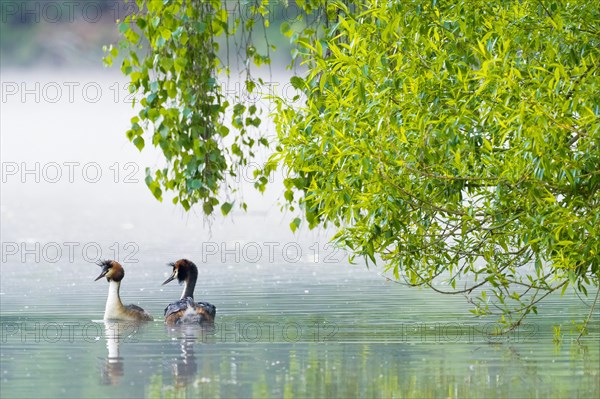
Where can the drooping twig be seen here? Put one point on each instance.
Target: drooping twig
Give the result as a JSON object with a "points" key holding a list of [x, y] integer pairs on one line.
{"points": [[589, 316]]}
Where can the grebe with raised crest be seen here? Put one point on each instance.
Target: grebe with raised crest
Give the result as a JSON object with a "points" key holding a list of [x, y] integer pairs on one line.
{"points": [[115, 310]]}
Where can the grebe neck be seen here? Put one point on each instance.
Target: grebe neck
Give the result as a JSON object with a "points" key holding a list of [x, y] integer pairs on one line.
{"points": [[188, 289], [113, 303], [190, 283]]}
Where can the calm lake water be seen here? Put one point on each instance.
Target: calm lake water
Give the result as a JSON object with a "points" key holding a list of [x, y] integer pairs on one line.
{"points": [[294, 319]]}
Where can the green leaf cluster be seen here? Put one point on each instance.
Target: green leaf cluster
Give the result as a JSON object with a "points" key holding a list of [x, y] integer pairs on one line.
{"points": [[456, 141], [171, 54]]}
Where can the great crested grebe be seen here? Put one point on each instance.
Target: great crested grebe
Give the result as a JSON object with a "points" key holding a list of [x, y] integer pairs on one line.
{"points": [[185, 310], [115, 310]]}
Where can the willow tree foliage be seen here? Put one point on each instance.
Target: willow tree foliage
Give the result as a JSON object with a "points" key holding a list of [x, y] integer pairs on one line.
{"points": [[456, 142]]}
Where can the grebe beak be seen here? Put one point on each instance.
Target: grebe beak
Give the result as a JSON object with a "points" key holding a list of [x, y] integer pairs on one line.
{"points": [[104, 271], [169, 279]]}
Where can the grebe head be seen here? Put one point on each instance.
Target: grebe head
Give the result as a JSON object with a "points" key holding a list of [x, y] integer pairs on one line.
{"points": [[112, 270], [183, 270]]}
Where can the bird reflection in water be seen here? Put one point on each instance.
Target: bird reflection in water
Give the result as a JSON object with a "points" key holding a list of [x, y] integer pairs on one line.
{"points": [[115, 333], [185, 368]]}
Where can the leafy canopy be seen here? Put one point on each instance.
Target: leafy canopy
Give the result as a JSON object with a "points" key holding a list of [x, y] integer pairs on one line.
{"points": [[454, 141]]}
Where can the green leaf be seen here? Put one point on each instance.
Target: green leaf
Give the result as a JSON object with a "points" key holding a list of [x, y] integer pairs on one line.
{"points": [[185, 204], [226, 208], [139, 142], [286, 29], [295, 224], [123, 27], [207, 207], [297, 82]]}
